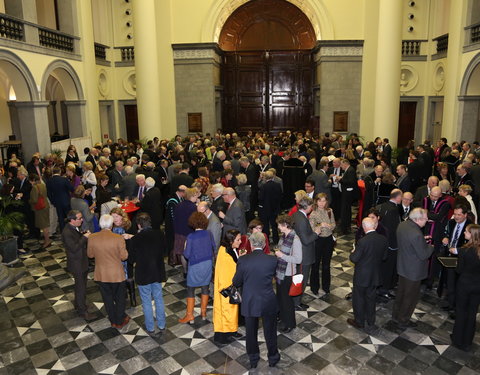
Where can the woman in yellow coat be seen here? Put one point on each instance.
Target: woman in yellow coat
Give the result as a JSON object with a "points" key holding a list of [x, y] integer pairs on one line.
{"points": [[225, 315]]}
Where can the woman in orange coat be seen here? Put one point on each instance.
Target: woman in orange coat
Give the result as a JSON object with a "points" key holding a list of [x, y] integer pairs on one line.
{"points": [[225, 315]]}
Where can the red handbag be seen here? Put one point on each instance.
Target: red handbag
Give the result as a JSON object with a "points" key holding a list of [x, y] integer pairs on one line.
{"points": [[40, 205], [297, 283]]}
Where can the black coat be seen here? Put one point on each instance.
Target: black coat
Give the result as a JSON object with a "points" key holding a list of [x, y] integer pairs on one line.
{"points": [[146, 250], [269, 197], [58, 191], [75, 244], [152, 205], [255, 272], [390, 218], [180, 179], [369, 253], [415, 171]]}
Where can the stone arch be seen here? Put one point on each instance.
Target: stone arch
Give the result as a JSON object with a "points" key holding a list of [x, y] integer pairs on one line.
{"points": [[471, 75], [222, 9], [19, 75], [65, 74]]}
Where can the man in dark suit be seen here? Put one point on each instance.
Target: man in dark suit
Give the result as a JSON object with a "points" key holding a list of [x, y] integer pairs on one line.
{"points": [[454, 236], [368, 255], [403, 181], [93, 157], [269, 196], [322, 182], [307, 237], [252, 173], [349, 190], [424, 191], [427, 161], [116, 178], [390, 219], [415, 171], [412, 266], [254, 274], [129, 183], [334, 174], [463, 178], [23, 187], [58, 191], [75, 244], [182, 178], [234, 218], [218, 204], [406, 206], [152, 203], [387, 151]]}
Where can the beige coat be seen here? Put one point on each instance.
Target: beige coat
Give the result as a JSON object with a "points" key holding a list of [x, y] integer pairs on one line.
{"points": [[109, 250]]}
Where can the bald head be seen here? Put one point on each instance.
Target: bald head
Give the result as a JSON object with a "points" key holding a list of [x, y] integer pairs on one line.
{"points": [[432, 181], [435, 193]]}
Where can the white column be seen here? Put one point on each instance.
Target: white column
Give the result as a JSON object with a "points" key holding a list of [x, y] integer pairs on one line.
{"points": [[387, 86]]}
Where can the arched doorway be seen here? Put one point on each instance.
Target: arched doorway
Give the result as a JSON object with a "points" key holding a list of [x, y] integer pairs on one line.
{"points": [[268, 67], [66, 110], [469, 102]]}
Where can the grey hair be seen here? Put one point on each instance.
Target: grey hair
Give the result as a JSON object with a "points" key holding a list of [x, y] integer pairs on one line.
{"points": [[417, 213], [305, 202], [218, 188], [150, 182], [106, 221], [257, 240]]}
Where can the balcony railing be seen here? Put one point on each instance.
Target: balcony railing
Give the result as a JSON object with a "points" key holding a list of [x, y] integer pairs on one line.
{"points": [[100, 51], [442, 43], [55, 39], [11, 28], [128, 54], [411, 47], [473, 33]]}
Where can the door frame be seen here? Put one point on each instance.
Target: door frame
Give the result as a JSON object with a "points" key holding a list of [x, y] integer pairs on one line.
{"points": [[418, 116], [122, 122]]}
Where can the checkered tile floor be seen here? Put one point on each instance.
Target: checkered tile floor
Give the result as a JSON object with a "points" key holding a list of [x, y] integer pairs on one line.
{"points": [[41, 334]]}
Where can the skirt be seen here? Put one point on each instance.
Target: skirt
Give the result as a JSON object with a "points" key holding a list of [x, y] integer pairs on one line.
{"points": [[199, 274], [179, 244]]}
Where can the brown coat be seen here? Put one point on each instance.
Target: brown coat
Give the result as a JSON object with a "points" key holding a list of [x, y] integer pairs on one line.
{"points": [[109, 250]]}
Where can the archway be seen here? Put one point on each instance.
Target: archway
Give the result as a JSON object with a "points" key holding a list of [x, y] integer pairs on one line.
{"points": [[16, 85], [61, 87], [268, 67], [469, 102]]}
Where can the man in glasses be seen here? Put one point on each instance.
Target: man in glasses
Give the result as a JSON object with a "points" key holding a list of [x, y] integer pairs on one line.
{"points": [[75, 243]]}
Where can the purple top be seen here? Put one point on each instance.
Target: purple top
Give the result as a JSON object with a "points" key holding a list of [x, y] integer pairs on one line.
{"points": [[182, 213]]}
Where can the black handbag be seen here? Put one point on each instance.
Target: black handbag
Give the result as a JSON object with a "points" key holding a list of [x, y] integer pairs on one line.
{"points": [[233, 294]]}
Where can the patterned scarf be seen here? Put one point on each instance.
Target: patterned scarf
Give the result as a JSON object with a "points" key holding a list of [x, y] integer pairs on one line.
{"points": [[286, 245]]}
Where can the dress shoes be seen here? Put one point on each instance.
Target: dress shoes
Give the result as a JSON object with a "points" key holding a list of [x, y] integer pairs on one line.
{"points": [[304, 306], [348, 297], [287, 329], [124, 323], [273, 364], [253, 365], [354, 323], [236, 335], [299, 308], [88, 316]]}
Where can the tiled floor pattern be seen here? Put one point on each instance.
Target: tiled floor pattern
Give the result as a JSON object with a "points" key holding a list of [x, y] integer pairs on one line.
{"points": [[41, 334]]}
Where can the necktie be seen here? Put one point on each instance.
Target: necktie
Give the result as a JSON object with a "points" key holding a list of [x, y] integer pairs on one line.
{"points": [[455, 237], [434, 203], [140, 193]]}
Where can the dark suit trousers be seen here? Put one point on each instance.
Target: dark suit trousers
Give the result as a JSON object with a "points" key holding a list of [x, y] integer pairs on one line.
{"points": [[113, 295], [269, 219], [306, 274], [363, 303], [346, 212], [468, 300], [62, 215], [80, 291], [270, 333], [452, 277], [408, 294], [389, 271], [285, 303], [323, 256], [335, 204]]}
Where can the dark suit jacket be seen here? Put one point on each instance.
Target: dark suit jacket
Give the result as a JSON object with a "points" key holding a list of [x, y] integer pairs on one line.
{"points": [[269, 197], [146, 250], [58, 191], [255, 272], [439, 216], [468, 266], [322, 183], [415, 171], [390, 218], [92, 160], [369, 253], [450, 232], [116, 178], [413, 251], [465, 180], [387, 153], [307, 236], [180, 179], [420, 194], [349, 181], [75, 244], [404, 183], [25, 189], [219, 205], [235, 217], [152, 205]]}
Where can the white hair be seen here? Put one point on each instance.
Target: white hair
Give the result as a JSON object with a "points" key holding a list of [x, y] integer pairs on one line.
{"points": [[150, 182], [218, 188], [140, 177], [106, 221], [128, 169], [257, 240]]}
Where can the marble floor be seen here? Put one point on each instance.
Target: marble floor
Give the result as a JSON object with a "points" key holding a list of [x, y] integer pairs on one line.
{"points": [[41, 334]]}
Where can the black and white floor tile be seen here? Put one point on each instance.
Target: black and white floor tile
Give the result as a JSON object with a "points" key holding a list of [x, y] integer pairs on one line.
{"points": [[41, 334]]}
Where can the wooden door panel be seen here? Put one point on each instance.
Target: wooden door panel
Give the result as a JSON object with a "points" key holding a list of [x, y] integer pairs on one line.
{"points": [[406, 123]]}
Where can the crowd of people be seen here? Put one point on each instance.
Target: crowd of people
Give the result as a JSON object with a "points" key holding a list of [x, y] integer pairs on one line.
{"points": [[243, 211]]}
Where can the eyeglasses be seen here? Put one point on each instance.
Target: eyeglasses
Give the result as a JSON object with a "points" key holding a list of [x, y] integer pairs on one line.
{"points": [[79, 218]]}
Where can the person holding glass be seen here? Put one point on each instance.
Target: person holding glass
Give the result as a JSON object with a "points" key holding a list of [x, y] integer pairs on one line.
{"points": [[322, 217]]}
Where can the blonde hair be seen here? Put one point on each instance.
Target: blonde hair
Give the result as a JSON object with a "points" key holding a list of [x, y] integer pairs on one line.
{"points": [[126, 223]]}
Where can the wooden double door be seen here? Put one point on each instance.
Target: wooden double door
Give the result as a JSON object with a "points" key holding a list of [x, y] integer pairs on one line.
{"points": [[267, 91]]}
